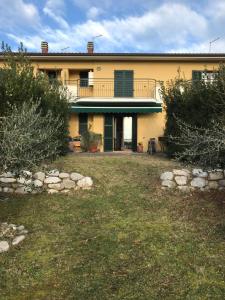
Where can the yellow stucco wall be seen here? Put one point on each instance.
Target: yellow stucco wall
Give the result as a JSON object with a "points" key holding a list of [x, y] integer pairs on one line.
{"points": [[149, 125], [73, 125]]}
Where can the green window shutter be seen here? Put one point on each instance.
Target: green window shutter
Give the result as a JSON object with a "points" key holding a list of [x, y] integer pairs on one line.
{"points": [[108, 133], [123, 83], [196, 75], [83, 123], [134, 133]]}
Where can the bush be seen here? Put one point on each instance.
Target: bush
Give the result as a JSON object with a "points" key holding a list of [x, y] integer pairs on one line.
{"points": [[28, 137], [90, 140], [18, 84], [196, 103]]}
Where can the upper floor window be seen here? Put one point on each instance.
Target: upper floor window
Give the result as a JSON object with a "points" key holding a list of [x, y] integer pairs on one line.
{"points": [[84, 78], [207, 76]]}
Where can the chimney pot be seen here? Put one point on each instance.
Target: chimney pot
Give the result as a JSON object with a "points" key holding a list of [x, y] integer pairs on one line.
{"points": [[44, 47], [90, 47]]}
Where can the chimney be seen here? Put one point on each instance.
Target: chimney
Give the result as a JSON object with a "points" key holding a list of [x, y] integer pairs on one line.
{"points": [[90, 47], [44, 47]]}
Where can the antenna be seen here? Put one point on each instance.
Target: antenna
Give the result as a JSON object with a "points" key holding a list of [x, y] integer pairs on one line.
{"points": [[96, 37], [210, 43], [64, 49]]}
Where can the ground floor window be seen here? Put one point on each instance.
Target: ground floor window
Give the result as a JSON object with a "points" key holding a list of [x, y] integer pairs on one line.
{"points": [[83, 123]]}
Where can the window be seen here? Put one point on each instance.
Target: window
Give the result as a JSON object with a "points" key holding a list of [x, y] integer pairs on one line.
{"points": [[52, 75], [207, 76], [84, 79], [83, 123]]}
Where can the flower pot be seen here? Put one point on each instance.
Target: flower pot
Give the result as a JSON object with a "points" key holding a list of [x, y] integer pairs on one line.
{"points": [[140, 148], [93, 149]]}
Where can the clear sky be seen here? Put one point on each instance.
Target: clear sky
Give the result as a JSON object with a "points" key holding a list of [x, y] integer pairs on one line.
{"points": [[126, 25]]}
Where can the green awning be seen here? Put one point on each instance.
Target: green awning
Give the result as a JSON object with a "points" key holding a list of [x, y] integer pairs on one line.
{"points": [[88, 109]]}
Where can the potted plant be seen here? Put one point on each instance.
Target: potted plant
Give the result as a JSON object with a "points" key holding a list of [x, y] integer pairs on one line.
{"points": [[140, 148], [90, 141]]}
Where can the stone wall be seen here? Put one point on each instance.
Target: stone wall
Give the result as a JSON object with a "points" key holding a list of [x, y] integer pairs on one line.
{"points": [[52, 182], [196, 179]]}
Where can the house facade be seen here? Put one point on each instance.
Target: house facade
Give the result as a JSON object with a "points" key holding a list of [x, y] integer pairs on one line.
{"points": [[118, 94]]}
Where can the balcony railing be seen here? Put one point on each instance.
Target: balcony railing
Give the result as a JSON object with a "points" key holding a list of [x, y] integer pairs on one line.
{"points": [[109, 88]]}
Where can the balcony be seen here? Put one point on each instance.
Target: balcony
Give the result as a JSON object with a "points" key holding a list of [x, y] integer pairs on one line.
{"points": [[108, 88]]}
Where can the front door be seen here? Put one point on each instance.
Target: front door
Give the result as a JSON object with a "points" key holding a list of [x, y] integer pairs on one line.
{"points": [[123, 83], [118, 133], [108, 133]]}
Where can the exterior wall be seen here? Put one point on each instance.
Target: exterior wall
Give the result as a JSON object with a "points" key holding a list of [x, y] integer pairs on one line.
{"points": [[150, 126], [98, 127], [73, 125]]}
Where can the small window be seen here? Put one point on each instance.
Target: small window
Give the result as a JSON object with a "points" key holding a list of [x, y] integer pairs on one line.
{"points": [[207, 76], [84, 79], [83, 123], [52, 75]]}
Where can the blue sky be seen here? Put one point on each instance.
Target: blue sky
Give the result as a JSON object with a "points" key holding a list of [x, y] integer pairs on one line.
{"points": [[125, 25]]}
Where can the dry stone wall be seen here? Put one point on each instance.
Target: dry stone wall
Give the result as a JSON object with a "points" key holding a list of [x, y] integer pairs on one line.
{"points": [[196, 179], [52, 182]]}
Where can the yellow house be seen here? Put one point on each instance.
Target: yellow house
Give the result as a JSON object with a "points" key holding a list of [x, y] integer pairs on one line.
{"points": [[118, 94]]}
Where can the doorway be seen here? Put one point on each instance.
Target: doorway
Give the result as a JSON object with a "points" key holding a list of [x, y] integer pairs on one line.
{"points": [[120, 132]]}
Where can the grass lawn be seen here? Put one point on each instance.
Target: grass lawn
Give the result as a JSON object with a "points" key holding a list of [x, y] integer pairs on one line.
{"points": [[124, 239]]}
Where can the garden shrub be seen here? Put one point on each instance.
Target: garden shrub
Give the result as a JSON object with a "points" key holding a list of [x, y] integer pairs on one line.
{"points": [[198, 104], [19, 84]]}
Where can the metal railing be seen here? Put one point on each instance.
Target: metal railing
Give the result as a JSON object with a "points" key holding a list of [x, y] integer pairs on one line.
{"points": [[109, 87]]}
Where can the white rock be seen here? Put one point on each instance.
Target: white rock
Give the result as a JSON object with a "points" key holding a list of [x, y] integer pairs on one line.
{"points": [[23, 190], [25, 173], [52, 191], [213, 185], [199, 182], [7, 179], [64, 175], [24, 231], [37, 183], [184, 188], [24, 180], [181, 180], [56, 186], [53, 173], [13, 226], [85, 183], [7, 174], [204, 189], [168, 183], [199, 173], [52, 180], [222, 182], [18, 239], [166, 176], [21, 227], [65, 191], [216, 175], [68, 184], [76, 176], [40, 176], [182, 172], [4, 246], [7, 189]]}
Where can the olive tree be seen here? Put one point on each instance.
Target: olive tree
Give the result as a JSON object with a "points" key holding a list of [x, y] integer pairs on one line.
{"points": [[28, 137], [33, 113]]}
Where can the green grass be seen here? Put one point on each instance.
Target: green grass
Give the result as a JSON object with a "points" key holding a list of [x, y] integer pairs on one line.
{"points": [[124, 239]]}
